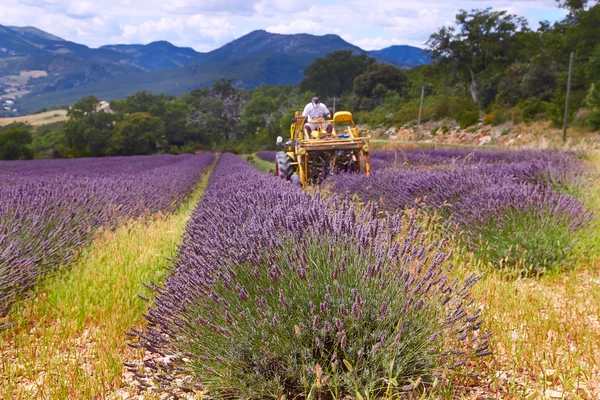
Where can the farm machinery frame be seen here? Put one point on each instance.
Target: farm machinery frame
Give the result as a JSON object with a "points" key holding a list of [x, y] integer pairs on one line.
{"points": [[310, 156]]}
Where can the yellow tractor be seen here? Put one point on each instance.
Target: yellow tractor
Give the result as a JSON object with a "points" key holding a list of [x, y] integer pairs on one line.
{"points": [[311, 155]]}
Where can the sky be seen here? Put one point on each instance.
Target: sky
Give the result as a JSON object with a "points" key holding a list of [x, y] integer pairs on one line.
{"points": [[208, 24]]}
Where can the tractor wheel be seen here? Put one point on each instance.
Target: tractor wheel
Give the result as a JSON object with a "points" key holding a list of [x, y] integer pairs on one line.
{"points": [[295, 179], [283, 166]]}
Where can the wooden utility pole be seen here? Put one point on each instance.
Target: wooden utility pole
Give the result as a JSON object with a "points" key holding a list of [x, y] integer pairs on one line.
{"points": [[567, 100], [334, 104], [421, 111]]}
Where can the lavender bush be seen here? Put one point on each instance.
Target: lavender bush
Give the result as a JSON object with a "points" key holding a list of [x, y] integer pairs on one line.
{"points": [[49, 208], [505, 209], [276, 292], [558, 169], [421, 157], [267, 155], [530, 227]]}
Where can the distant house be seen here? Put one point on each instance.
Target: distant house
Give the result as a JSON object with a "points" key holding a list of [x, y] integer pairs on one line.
{"points": [[103, 106]]}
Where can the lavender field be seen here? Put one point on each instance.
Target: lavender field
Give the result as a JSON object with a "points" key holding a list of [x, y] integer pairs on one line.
{"points": [[363, 287], [274, 289], [278, 292], [514, 208], [49, 209]]}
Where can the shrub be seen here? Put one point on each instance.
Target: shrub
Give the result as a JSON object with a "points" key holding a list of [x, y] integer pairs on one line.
{"points": [[188, 148], [278, 293], [434, 130], [15, 143], [514, 186], [581, 117], [444, 106], [529, 227], [532, 109], [409, 112], [592, 102], [593, 120], [501, 115], [445, 129], [555, 108], [467, 118], [488, 120], [393, 101]]}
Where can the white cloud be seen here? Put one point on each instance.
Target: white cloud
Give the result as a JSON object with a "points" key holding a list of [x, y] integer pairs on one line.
{"points": [[230, 7], [200, 31], [81, 9], [312, 27], [376, 43], [292, 8], [207, 24]]}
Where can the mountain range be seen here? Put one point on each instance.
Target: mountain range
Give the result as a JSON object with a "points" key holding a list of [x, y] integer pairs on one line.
{"points": [[40, 70]]}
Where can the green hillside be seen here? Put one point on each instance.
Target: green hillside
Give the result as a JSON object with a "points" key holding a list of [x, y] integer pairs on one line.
{"points": [[116, 71]]}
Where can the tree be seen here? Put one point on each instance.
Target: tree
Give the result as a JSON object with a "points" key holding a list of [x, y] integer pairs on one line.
{"points": [[390, 77], [217, 111], [592, 102], [535, 79], [171, 110], [175, 119], [259, 113], [143, 101], [98, 132], [14, 144], [334, 74], [573, 5], [88, 132], [138, 134], [50, 141], [577, 33], [83, 107], [480, 46]]}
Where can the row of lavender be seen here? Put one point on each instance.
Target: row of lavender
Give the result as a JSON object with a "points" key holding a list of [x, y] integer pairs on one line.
{"points": [[279, 293], [49, 208], [509, 206], [456, 157], [450, 157], [266, 155]]}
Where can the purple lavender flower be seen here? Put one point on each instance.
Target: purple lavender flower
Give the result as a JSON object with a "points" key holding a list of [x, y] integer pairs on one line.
{"points": [[49, 209]]}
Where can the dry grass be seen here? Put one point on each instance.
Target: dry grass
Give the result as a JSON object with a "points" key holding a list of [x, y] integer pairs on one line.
{"points": [[69, 339], [48, 117], [546, 336], [546, 342]]}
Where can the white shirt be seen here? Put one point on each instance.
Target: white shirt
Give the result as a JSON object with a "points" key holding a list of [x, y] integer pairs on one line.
{"points": [[313, 112]]}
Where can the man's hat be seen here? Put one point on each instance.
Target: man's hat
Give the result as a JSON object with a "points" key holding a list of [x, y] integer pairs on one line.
{"points": [[316, 100]]}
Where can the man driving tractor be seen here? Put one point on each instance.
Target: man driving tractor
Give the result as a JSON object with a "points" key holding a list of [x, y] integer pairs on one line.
{"points": [[313, 110], [315, 150]]}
